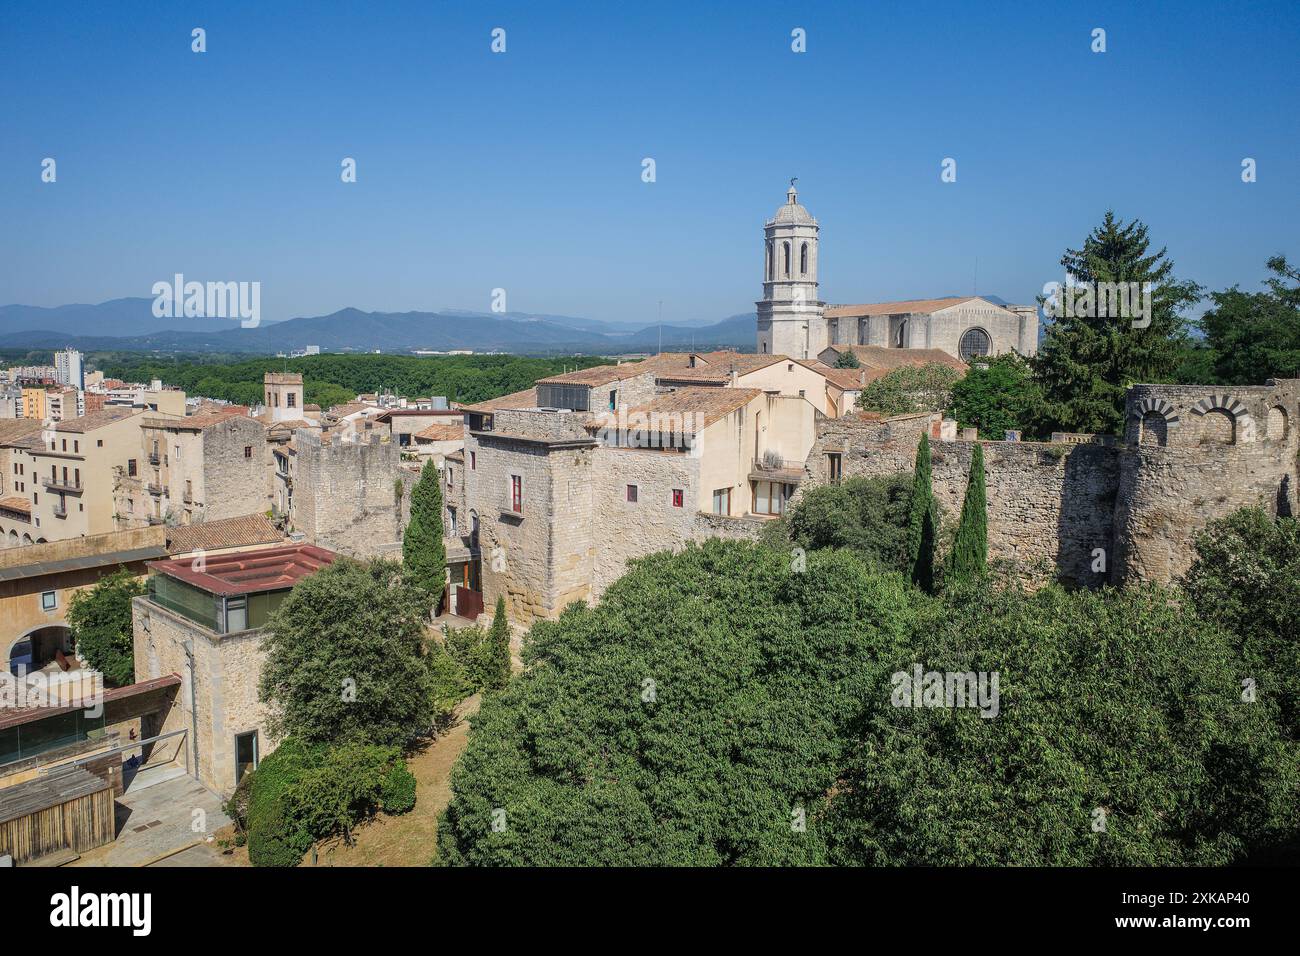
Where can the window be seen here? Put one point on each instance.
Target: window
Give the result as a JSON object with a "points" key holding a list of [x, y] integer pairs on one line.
{"points": [[99, 443], [130, 468], [65, 444], [76, 446], [973, 342], [677, 497], [516, 494], [834, 467], [771, 497], [49, 600], [613, 399], [236, 614], [450, 476], [722, 501], [631, 493], [786, 247], [248, 451], [803, 259], [901, 340], [451, 520], [291, 400], [769, 260], [473, 460]]}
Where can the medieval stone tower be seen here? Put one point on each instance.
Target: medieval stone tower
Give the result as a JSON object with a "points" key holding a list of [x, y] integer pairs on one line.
{"points": [[790, 316]]}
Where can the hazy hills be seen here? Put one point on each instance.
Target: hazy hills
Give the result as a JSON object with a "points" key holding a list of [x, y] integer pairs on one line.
{"points": [[129, 324]]}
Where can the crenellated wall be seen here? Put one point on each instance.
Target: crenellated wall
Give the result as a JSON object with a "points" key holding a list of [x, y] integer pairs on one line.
{"points": [[1195, 453]]}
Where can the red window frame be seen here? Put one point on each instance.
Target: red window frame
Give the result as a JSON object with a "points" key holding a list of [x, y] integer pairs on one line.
{"points": [[678, 497], [516, 493]]}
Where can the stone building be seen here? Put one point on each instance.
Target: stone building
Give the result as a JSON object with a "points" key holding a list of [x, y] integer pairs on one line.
{"points": [[792, 320], [351, 497], [560, 498], [203, 467], [202, 622]]}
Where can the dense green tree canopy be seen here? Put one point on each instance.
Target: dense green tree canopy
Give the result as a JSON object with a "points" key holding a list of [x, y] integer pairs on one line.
{"points": [[720, 706], [346, 658], [999, 395], [866, 515], [334, 379], [685, 720], [1246, 576], [1112, 701], [1255, 336], [910, 388], [100, 619]]}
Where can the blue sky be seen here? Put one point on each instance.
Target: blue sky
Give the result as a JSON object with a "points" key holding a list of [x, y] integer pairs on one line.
{"points": [[523, 170]]}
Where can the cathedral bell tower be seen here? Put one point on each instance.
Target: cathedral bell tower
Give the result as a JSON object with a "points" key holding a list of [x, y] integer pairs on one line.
{"points": [[790, 319]]}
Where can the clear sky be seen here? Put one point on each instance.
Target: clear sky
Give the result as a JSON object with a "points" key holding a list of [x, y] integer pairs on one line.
{"points": [[522, 170]]}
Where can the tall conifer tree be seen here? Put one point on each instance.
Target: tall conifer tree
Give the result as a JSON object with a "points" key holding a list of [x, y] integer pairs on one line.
{"points": [[969, 556], [424, 558], [922, 521]]}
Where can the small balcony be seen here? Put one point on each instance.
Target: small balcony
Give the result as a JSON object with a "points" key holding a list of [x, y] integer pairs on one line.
{"points": [[155, 489], [772, 467], [154, 460], [60, 511], [188, 498], [69, 485]]}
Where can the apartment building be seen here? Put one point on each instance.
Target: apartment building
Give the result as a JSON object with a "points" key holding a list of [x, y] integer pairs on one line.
{"points": [[67, 473], [34, 405], [202, 467]]}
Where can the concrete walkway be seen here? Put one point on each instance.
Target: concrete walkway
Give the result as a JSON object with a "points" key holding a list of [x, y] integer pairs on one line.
{"points": [[163, 810]]}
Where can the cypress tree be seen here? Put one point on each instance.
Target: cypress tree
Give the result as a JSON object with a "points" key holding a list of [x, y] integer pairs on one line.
{"points": [[969, 556], [499, 640], [922, 521], [424, 558]]}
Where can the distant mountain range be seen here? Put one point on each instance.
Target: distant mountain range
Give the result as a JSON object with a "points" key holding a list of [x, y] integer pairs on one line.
{"points": [[129, 324]]}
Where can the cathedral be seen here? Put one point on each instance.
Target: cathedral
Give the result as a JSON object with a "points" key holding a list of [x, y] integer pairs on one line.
{"points": [[793, 321]]}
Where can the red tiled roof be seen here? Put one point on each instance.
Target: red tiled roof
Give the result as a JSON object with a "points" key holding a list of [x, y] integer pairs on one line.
{"points": [[243, 531], [247, 572]]}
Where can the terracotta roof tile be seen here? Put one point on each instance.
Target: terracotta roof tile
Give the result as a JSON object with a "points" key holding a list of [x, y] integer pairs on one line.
{"points": [[709, 404], [454, 432], [244, 531], [90, 422]]}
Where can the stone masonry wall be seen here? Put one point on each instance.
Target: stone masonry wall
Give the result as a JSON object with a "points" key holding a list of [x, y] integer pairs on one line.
{"points": [[224, 701], [1193, 454], [1049, 506], [345, 498], [626, 530], [234, 485]]}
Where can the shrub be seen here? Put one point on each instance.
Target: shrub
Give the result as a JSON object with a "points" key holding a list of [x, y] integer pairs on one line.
{"points": [[302, 793], [398, 794], [868, 516]]}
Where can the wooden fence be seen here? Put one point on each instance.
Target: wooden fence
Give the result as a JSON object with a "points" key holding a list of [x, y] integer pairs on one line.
{"points": [[66, 809]]}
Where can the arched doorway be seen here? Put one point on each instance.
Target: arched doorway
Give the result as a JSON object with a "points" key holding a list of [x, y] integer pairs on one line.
{"points": [[39, 648]]}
